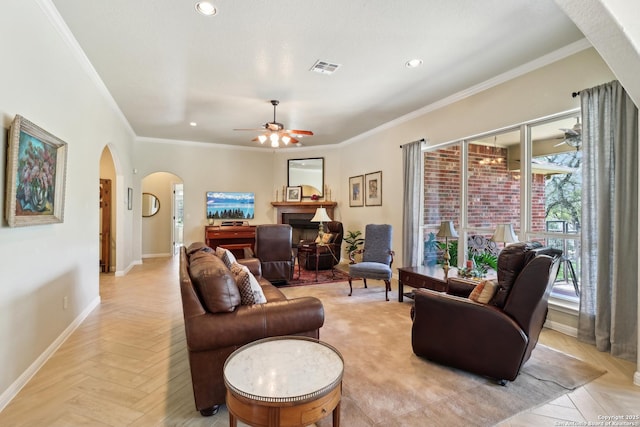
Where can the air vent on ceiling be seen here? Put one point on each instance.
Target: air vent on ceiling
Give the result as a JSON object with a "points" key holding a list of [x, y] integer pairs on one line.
{"points": [[324, 67]]}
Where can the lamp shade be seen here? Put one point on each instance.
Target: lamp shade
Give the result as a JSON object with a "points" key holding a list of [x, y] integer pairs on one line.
{"points": [[447, 230], [321, 216], [504, 233]]}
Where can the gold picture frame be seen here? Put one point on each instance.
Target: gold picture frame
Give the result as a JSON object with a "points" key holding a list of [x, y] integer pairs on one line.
{"points": [[36, 175]]}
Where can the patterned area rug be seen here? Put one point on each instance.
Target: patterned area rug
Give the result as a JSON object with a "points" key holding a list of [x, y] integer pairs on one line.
{"points": [[308, 277]]}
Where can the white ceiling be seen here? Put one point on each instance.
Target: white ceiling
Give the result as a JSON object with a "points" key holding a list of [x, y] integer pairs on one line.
{"points": [[166, 65]]}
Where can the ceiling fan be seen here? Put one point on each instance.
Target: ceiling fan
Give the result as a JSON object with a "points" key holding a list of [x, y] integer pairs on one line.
{"points": [[573, 136], [275, 132]]}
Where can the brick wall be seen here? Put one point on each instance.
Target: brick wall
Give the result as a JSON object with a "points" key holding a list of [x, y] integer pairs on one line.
{"points": [[493, 191]]}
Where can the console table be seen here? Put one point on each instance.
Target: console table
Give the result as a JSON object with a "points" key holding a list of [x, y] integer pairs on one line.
{"points": [[232, 237]]}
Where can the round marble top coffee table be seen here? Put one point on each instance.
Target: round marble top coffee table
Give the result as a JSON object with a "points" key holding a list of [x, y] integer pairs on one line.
{"points": [[284, 381]]}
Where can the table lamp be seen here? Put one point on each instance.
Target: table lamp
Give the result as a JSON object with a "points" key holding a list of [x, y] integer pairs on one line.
{"points": [[321, 216], [446, 230], [504, 234]]}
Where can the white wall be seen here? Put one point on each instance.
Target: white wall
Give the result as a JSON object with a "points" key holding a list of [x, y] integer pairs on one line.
{"points": [[210, 167], [42, 79]]}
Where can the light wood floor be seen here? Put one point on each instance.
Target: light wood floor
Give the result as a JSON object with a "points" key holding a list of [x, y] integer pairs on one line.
{"points": [[126, 365]]}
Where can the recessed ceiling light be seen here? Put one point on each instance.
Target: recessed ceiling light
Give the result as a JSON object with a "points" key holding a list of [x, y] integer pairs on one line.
{"points": [[206, 8], [194, 124], [413, 63]]}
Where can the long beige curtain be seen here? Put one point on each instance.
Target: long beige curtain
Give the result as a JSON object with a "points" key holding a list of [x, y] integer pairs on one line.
{"points": [[609, 279], [412, 239]]}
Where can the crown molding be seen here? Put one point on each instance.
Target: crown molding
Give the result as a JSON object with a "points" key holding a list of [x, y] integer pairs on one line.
{"points": [[63, 30]]}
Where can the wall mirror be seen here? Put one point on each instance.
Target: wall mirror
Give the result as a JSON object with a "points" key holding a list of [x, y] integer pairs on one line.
{"points": [[150, 205], [307, 173]]}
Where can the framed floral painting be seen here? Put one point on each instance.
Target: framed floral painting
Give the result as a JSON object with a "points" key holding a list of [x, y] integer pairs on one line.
{"points": [[36, 174]]}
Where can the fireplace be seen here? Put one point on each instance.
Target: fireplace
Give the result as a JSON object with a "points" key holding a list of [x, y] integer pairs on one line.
{"points": [[302, 227], [298, 215]]}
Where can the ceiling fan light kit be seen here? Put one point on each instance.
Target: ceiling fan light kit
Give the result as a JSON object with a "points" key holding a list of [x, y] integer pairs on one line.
{"points": [[276, 133]]}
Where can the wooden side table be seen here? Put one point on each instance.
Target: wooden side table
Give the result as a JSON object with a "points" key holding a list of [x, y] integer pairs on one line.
{"points": [[286, 381], [421, 276]]}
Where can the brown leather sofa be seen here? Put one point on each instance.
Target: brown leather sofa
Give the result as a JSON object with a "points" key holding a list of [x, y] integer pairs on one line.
{"points": [[273, 248], [216, 324], [494, 339]]}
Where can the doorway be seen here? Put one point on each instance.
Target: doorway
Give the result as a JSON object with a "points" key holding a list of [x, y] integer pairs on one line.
{"points": [[162, 227]]}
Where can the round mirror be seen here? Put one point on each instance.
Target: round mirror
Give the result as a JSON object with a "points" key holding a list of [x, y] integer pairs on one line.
{"points": [[150, 205]]}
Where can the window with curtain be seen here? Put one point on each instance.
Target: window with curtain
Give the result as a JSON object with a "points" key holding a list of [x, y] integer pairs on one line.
{"points": [[485, 173]]}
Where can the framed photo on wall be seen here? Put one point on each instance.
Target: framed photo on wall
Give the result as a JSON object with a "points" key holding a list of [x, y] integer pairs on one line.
{"points": [[373, 189], [356, 187], [294, 194], [130, 198], [36, 174]]}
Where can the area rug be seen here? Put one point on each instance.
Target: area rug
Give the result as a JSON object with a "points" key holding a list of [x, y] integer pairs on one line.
{"points": [[308, 277], [386, 384]]}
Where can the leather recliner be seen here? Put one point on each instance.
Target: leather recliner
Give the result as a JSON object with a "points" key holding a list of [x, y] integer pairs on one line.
{"points": [[494, 339], [330, 253], [273, 248]]}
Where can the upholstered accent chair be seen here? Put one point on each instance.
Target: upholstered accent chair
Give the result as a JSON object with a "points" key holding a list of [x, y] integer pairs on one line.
{"points": [[377, 257], [273, 248], [496, 338], [329, 254]]}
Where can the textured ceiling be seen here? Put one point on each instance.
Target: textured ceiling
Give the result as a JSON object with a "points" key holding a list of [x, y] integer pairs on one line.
{"points": [[166, 66]]}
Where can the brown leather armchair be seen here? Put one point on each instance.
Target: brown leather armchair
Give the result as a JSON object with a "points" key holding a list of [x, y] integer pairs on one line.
{"points": [[273, 248], [495, 339], [330, 253]]}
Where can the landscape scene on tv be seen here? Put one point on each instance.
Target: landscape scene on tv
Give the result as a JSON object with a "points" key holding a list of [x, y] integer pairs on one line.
{"points": [[230, 205]]}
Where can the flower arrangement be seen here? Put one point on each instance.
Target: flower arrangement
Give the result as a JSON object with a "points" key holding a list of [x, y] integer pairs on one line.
{"points": [[36, 172], [315, 197]]}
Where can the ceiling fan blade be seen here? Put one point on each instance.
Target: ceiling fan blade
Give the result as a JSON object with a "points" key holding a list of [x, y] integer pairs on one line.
{"points": [[570, 132], [562, 143], [299, 132]]}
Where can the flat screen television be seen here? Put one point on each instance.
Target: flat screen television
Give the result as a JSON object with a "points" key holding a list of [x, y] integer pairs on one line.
{"points": [[230, 205]]}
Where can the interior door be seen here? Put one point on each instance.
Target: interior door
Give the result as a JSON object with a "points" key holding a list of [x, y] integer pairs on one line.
{"points": [[105, 225], [178, 218]]}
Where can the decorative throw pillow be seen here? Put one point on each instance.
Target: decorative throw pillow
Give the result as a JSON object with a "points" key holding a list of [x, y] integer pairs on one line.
{"points": [[220, 251], [484, 291], [227, 257], [325, 239], [250, 289], [475, 293]]}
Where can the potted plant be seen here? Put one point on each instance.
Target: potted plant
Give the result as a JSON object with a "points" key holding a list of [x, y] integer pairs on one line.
{"points": [[353, 241]]}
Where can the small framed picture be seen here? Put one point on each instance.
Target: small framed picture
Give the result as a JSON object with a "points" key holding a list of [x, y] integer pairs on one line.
{"points": [[294, 194], [356, 184], [373, 189], [130, 198]]}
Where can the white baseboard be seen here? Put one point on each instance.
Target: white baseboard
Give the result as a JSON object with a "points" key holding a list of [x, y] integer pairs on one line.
{"points": [[128, 269], [7, 396], [157, 255], [562, 328]]}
